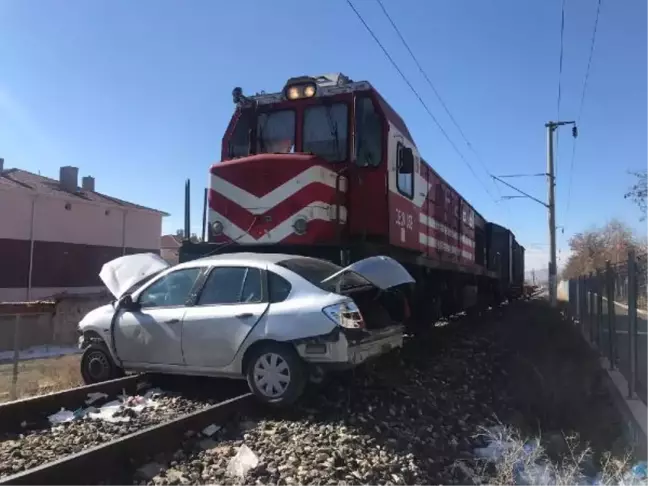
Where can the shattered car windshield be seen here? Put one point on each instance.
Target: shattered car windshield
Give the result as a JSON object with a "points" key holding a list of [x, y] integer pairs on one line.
{"points": [[276, 132], [317, 270]]}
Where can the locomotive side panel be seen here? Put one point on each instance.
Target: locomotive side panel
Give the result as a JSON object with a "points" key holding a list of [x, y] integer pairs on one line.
{"points": [[407, 191]]}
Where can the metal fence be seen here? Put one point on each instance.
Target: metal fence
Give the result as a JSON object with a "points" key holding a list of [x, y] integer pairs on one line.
{"points": [[609, 305]]}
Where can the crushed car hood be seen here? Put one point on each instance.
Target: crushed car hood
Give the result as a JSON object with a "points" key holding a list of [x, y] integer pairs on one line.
{"points": [[122, 273], [382, 271]]}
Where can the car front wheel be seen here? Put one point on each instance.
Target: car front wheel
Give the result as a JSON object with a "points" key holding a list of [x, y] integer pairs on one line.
{"points": [[276, 374], [97, 365]]}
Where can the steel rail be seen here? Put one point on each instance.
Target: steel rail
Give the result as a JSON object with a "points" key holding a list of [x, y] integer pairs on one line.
{"points": [[114, 460], [14, 413]]}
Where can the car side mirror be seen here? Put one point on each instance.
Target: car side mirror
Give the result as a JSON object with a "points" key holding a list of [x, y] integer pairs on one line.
{"points": [[407, 161], [127, 303]]}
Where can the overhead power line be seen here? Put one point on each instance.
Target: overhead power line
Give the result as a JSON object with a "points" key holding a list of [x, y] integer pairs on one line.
{"points": [[418, 96], [436, 92], [582, 102]]}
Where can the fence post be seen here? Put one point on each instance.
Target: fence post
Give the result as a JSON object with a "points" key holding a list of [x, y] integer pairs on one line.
{"points": [[590, 306], [632, 322], [16, 359], [609, 287], [582, 290], [599, 305]]}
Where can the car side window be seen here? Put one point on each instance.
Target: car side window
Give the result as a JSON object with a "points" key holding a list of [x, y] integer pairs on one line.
{"points": [[231, 285], [279, 288], [171, 290]]}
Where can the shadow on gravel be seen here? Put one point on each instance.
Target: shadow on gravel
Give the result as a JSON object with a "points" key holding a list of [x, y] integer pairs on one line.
{"points": [[414, 416], [522, 366]]}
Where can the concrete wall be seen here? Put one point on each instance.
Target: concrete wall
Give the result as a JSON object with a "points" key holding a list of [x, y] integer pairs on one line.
{"points": [[58, 328]]}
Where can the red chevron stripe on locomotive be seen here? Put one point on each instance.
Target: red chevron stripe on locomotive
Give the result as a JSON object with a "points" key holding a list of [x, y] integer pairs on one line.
{"points": [[260, 202]]}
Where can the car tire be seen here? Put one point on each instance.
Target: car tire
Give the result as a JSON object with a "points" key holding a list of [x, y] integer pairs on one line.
{"points": [[284, 371], [97, 365]]}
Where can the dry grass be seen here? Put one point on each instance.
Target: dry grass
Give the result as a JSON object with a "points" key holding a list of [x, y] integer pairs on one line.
{"points": [[563, 425], [527, 462], [40, 376]]}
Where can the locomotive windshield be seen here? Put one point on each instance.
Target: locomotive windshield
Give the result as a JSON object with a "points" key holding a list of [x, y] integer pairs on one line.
{"points": [[276, 132], [325, 131]]}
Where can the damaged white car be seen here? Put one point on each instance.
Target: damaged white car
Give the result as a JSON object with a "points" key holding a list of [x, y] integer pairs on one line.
{"points": [[275, 320]]}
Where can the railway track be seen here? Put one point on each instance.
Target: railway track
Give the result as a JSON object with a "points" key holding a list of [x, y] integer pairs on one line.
{"points": [[149, 415]]}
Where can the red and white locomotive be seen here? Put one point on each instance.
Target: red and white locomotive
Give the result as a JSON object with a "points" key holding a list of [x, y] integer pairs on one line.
{"points": [[327, 168]]}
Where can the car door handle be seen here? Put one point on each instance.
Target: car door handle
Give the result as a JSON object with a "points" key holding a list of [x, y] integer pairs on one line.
{"points": [[244, 315], [172, 321]]}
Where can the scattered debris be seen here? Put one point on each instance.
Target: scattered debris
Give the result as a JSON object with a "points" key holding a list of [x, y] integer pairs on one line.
{"points": [[94, 396], [211, 430], [70, 431], [150, 470], [61, 417], [242, 462]]}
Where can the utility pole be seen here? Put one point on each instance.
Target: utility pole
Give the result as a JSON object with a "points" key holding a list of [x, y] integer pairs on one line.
{"points": [[551, 205]]}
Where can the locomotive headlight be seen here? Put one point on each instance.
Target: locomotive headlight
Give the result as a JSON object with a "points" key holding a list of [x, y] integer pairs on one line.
{"points": [[309, 91], [217, 228], [293, 93], [300, 225], [300, 88]]}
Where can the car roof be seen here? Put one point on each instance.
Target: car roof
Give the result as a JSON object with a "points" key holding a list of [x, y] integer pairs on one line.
{"points": [[243, 257]]}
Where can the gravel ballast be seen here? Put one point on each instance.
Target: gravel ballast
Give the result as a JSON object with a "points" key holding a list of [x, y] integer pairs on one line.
{"points": [[37, 446], [411, 418]]}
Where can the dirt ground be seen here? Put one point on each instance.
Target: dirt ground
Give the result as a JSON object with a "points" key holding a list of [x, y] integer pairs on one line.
{"points": [[552, 379], [39, 376]]}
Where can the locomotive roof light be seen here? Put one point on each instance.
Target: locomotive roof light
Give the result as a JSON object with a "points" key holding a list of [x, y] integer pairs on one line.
{"points": [[302, 87]]}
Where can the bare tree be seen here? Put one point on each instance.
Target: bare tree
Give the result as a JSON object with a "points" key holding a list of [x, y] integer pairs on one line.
{"points": [[638, 192], [592, 248]]}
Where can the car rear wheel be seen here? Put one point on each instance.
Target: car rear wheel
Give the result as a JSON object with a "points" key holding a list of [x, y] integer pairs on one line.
{"points": [[276, 374], [97, 365]]}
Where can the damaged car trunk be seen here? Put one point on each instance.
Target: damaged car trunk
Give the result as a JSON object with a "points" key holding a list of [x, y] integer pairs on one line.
{"points": [[374, 284]]}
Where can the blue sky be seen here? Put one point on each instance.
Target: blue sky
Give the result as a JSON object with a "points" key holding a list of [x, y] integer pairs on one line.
{"points": [[138, 94]]}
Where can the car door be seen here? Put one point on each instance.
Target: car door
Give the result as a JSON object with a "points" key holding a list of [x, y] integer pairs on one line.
{"points": [[152, 334], [228, 306]]}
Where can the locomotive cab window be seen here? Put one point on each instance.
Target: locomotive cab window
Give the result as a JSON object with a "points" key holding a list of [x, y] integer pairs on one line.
{"points": [[239, 143], [405, 170], [368, 129], [276, 132], [325, 131]]}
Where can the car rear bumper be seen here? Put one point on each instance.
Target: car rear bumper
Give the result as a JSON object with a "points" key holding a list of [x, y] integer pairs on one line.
{"points": [[347, 352]]}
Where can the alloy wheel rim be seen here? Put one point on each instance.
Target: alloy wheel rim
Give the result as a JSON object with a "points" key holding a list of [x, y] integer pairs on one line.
{"points": [[271, 375], [98, 365]]}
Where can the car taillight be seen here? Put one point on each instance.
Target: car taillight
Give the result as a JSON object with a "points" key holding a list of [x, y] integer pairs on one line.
{"points": [[345, 314]]}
